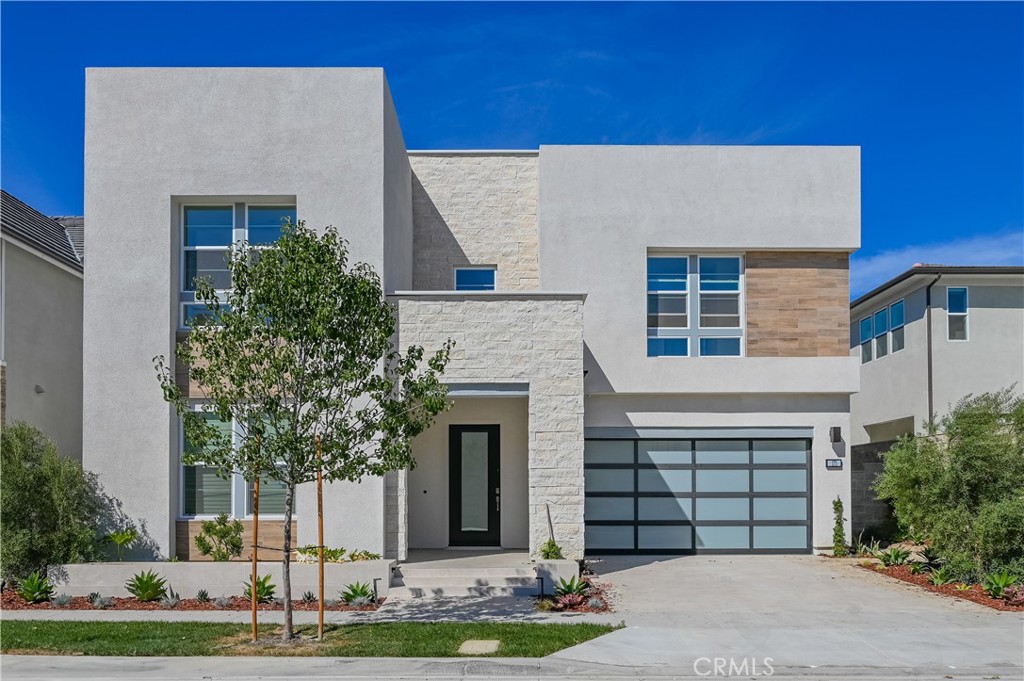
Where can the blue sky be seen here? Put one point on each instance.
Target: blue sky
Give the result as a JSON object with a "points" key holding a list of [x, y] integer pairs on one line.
{"points": [[932, 92]]}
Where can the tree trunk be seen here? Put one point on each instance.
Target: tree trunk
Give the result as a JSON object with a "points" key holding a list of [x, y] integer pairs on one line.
{"points": [[286, 575]]}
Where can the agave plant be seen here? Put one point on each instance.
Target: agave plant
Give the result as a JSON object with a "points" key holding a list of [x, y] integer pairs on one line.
{"points": [[895, 555], [147, 586], [942, 576], [575, 587], [996, 583], [359, 591], [571, 600], [264, 589], [35, 588]]}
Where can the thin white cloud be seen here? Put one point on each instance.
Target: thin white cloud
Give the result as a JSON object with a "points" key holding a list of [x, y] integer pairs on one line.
{"points": [[1002, 248]]}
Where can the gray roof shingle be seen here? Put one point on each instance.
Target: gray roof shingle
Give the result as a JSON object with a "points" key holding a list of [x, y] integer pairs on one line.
{"points": [[25, 224], [75, 226]]}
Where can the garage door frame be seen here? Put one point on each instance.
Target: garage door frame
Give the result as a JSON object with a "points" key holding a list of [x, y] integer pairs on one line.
{"points": [[693, 523]]}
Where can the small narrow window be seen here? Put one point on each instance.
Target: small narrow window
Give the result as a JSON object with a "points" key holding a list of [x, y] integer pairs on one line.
{"points": [[881, 333], [956, 313], [896, 321], [865, 340], [719, 347], [474, 278]]}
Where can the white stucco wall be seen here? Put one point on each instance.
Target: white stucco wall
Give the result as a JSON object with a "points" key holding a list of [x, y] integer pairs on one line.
{"points": [[428, 482], [819, 412], [157, 136], [43, 346], [602, 208]]}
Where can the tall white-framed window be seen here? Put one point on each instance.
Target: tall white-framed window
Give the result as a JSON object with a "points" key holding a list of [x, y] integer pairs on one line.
{"points": [[694, 305], [209, 233], [956, 313], [203, 493], [865, 337]]}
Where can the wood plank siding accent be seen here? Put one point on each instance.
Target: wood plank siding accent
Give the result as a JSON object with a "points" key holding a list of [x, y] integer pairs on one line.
{"points": [[271, 535], [798, 304]]}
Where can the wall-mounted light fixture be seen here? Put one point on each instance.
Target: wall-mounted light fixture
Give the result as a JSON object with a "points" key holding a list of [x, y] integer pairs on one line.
{"points": [[39, 389], [835, 434], [834, 464]]}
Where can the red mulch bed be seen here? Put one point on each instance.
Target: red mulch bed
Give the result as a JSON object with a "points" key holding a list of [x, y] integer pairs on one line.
{"points": [[9, 600], [975, 593], [597, 590]]}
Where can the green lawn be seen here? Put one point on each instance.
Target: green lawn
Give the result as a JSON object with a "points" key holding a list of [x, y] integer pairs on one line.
{"points": [[387, 639]]}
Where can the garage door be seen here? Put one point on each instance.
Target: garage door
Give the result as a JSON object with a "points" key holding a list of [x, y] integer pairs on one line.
{"points": [[697, 496]]}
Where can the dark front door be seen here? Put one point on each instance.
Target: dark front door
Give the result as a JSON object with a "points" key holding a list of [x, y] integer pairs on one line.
{"points": [[474, 487]]}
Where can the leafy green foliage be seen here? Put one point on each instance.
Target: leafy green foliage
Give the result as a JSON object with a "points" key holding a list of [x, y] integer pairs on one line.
{"points": [[549, 550], [839, 547], [220, 538], [35, 588], [363, 555], [894, 555], [918, 568], [203, 596], [309, 554], [302, 355], [264, 589], [995, 584], [941, 576], [308, 597], [962, 483], [50, 505], [963, 586], [147, 586], [579, 587], [122, 539], [359, 591]]}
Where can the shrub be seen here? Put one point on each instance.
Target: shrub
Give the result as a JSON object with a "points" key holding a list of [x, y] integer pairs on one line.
{"points": [[147, 586], [203, 596], [549, 550], [309, 554], [359, 591], [61, 601], [995, 584], [264, 589], [575, 586], [961, 483], [931, 557], [51, 506], [918, 568], [839, 547], [220, 538], [122, 539], [942, 576], [894, 555], [545, 605], [35, 588], [363, 555], [571, 600]]}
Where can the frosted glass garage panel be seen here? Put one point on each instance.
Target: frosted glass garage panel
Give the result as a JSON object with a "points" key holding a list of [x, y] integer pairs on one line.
{"points": [[608, 537], [735, 508], [780, 451], [608, 480], [723, 537], [608, 451], [665, 451], [723, 481], [665, 537], [780, 481], [780, 537], [656, 480], [723, 451], [780, 509], [608, 508], [664, 508]]}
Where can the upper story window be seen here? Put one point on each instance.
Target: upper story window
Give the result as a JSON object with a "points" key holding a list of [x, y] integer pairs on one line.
{"points": [[956, 313], [474, 278], [208, 235], [705, 289], [881, 333]]}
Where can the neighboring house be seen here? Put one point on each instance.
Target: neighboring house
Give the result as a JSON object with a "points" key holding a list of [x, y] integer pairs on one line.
{"points": [[925, 339], [40, 325], [651, 342]]}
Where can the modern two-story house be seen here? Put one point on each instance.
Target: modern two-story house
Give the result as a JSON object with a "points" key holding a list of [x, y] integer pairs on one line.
{"points": [[651, 342], [925, 339]]}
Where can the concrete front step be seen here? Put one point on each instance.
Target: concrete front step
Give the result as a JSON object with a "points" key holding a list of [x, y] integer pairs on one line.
{"points": [[462, 581], [412, 572], [424, 591]]}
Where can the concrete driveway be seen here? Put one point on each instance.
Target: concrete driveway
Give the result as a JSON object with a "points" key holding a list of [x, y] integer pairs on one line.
{"points": [[803, 612]]}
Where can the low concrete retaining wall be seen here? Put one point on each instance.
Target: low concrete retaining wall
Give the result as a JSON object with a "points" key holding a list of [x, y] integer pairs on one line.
{"points": [[553, 571], [219, 579]]}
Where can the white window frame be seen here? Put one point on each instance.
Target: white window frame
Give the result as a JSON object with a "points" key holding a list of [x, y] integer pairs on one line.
{"points": [[239, 486], [739, 331], [965, 314], [455, 277], [677, 331]]}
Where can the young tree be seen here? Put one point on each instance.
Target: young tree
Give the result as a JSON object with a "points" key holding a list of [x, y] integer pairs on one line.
{"points": [[301, 349]]}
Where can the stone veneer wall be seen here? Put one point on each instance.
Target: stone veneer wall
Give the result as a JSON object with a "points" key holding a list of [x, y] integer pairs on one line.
{"points": [[396, 520], [797, 304], [536, 339], [475, 209]]}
